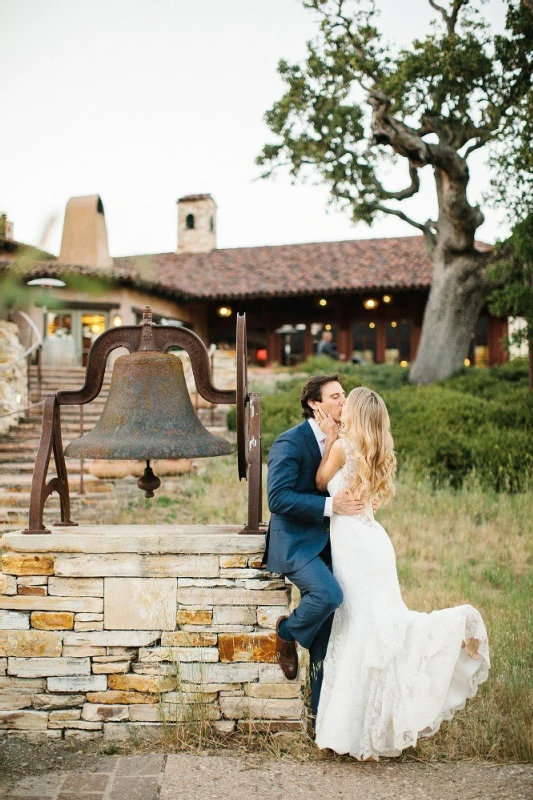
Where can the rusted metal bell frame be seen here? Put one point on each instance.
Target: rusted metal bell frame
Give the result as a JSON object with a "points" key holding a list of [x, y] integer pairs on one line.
{"points": [[149, 337]]}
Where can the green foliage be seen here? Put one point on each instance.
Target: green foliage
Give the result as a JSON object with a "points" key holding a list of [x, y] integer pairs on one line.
{"points": [[459, 83], [478, 423], [514, 274], [512, 149]]}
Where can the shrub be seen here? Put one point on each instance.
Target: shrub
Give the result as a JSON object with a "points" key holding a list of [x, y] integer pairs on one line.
{"points": [[478, 422]]}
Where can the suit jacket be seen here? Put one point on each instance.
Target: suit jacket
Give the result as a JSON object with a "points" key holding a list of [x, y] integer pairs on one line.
{"points": [[298, 529]]}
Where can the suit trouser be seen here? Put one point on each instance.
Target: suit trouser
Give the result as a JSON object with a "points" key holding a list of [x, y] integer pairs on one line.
{"points": [[310, 622]]}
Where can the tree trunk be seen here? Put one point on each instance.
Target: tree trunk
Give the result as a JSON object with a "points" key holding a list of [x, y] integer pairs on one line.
{"points": [[530, 363], [459, 286], [455, 300]]}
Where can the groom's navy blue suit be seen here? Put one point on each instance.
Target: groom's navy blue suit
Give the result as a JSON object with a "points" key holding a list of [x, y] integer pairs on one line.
{"points": [[298, 543]]}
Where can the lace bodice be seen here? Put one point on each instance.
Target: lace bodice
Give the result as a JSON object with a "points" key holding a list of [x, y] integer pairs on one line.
{"points": [[343, 479]]}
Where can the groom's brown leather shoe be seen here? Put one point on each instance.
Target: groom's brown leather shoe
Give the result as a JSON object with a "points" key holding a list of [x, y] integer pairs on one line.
{"points": [[286, 655]]}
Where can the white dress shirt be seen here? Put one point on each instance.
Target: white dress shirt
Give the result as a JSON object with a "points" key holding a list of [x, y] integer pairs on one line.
{"points": [[321, 437]]}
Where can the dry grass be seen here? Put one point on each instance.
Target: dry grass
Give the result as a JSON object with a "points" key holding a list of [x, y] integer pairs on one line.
{"points": [[452, 547]]}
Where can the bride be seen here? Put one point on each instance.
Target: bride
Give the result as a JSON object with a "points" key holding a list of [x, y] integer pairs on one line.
{"points": [[390, 674]]}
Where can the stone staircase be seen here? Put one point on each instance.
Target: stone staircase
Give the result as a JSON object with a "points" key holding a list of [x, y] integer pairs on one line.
{"points": [[91, 497]]}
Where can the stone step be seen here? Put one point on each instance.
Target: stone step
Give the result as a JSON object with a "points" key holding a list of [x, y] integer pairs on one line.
{"points": [[20, 481]]}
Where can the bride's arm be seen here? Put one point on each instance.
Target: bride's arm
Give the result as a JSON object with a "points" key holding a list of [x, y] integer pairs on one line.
{"points": [[332, 461]]}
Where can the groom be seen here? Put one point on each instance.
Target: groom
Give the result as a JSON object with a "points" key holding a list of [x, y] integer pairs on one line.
{"points": [[298, 539]]}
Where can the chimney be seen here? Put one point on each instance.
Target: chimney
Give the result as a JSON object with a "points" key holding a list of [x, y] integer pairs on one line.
{"points": [[84, 233], [197, 217], [6, 229]]}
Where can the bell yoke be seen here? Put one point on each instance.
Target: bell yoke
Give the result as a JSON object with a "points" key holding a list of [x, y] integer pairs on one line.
{"points": [[148, 413]]}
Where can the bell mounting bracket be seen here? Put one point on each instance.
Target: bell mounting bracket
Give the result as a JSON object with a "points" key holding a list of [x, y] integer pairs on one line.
{"points": [[150, 337]]}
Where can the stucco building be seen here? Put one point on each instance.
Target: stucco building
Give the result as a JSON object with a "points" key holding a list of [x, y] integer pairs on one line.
{"points": [[371, 293]]}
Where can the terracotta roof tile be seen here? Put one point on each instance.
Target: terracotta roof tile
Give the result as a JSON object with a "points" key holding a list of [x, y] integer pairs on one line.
{"points": [[272, 271], [285, 270]]}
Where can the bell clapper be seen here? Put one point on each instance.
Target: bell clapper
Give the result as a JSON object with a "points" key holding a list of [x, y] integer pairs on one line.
{"points": [[149, 482]]}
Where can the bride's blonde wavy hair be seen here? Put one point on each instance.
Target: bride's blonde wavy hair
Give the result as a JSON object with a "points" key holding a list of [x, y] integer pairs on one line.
{"points": [[366, 429]]}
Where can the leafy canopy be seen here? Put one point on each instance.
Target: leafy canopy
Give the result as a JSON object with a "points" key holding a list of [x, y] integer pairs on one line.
{"points": [[454, 91]]}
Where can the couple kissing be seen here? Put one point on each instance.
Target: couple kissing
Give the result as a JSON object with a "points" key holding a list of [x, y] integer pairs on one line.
{"points": [[381, 675]]}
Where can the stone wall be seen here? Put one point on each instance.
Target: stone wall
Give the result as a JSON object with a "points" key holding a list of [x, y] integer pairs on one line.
{"points": [[13, 380], [109, 630]]}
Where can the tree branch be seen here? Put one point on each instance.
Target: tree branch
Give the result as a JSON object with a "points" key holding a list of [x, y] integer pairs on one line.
{"points": [[404, 140], [481, 142], [404, 193], [449, 19], [424, 227]]}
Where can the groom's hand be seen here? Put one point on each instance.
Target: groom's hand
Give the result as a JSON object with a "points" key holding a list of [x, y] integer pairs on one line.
{"points": [[343, 504]]}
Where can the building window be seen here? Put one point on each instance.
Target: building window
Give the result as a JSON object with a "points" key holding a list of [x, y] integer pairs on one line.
{"points": [[189, 222], [364, 342], [212, 224], [479, 347], [398, 343]]}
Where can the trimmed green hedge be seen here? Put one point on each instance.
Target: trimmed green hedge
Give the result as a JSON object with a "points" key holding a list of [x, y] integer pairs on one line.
{"points": [[480, 422]]}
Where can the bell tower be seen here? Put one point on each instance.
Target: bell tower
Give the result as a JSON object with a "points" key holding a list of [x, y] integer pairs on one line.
{"points": [[197, 224]]}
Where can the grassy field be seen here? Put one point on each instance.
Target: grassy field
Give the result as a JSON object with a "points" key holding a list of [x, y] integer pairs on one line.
{"points": [[453, 546]]}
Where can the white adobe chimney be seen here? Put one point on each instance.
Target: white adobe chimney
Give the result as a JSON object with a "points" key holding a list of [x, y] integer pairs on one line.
{"points": [[84, 238], [197, 217], [6, 228]]}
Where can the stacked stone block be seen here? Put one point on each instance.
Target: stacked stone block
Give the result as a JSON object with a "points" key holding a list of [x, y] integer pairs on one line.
{"points": [[109, 629]]}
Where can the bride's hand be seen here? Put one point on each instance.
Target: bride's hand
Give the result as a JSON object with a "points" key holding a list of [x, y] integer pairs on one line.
{"points": [[326, 423]]}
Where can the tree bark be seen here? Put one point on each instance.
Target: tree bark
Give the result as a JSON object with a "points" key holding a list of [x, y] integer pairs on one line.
{"points": [[450, 317], [459, 287]]}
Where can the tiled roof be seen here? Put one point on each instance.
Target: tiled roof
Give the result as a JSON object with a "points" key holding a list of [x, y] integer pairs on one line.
{"points": [[272, 271], [190, 198], [285, 270]]}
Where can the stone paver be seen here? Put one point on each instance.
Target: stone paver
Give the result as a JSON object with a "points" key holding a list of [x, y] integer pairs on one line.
{"points": [[137, 788], [117, 778], [141, 765]]}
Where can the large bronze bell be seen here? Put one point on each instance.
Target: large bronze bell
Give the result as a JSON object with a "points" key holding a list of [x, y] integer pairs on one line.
{"points": [[148, 414]]}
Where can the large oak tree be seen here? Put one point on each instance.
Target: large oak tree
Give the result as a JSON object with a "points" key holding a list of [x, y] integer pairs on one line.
{"points": [[355, 104]]}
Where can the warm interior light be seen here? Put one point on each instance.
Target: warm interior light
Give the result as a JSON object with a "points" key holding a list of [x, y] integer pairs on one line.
{"points": [[117, 321], [387, 298], [403, 363], [393, 324], [224, 311], [370, 302], [327, 327], [467, 362], [18, 398], [322, 301], [371, 324]]}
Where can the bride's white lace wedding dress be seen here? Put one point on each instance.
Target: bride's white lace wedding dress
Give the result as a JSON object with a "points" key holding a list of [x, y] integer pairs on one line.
{"points": [[390, 674]]}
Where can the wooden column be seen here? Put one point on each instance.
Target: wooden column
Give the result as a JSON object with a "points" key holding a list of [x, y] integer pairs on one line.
{"points": [[381, 341], [308, 342], [273, 347], [416, 332], [498, 330], [345, 343]]}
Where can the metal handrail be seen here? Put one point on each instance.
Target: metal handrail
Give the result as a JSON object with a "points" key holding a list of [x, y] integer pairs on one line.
{"points": [[22, 410]]}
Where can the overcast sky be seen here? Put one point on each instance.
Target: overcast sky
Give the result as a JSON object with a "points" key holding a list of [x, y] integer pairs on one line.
{"points": [[144, 101]]}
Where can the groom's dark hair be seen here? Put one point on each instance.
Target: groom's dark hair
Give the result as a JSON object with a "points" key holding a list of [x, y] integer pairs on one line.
{"points": [[312, 390]]}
